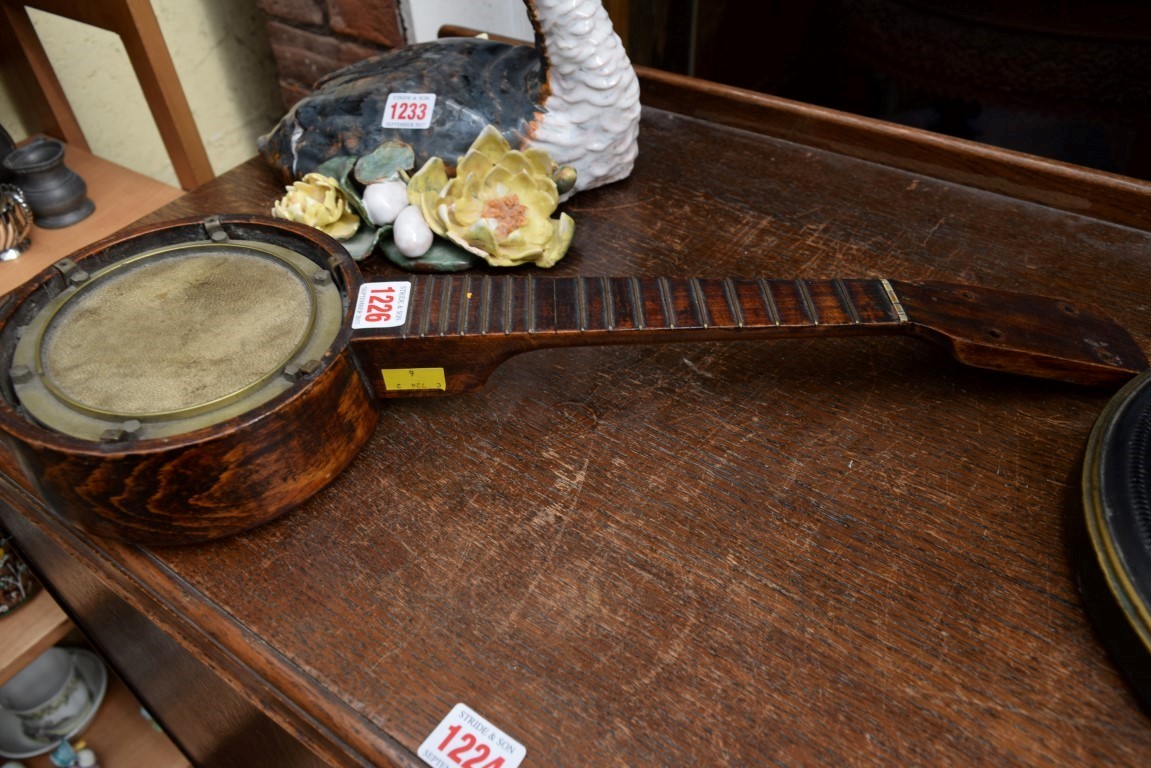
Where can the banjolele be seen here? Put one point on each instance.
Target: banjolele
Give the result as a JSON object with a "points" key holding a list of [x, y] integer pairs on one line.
{"points": [[158, 384]]}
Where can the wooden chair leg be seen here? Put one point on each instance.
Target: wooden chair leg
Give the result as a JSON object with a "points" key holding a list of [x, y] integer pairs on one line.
{"points": [[22, 48], [138, 29]]}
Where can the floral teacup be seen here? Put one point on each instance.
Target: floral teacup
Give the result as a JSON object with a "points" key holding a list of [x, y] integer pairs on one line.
{"points": [[48, 696]]}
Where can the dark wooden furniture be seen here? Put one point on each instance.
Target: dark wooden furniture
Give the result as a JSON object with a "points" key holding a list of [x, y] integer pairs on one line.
{"points": [[1083, 63], [817, 551]]}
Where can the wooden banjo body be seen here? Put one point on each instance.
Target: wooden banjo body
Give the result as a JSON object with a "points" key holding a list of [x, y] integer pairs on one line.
{"points": [[208, 481], [194, 379]]}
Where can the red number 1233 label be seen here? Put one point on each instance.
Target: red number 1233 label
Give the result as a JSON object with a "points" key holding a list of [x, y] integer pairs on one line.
{"points": [[409, 110], [464, 739]]}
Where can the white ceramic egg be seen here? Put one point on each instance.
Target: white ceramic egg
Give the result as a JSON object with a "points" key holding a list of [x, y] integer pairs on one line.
{"points": [[411, 234], [384, 200]]}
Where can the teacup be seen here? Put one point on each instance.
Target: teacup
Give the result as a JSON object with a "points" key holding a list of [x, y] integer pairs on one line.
{"points": [[48, 696]]}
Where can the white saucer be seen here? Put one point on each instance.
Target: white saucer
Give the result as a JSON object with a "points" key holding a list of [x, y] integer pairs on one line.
{"points": [[14, 744]]}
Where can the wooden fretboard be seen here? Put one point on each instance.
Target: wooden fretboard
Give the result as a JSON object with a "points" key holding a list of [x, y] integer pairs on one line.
{"points": [[509, 305], [465, 325]]}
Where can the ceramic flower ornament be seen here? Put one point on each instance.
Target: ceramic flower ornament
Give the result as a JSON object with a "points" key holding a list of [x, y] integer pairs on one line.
{"points": [[496, 208], [499, 204], [316, 200]]}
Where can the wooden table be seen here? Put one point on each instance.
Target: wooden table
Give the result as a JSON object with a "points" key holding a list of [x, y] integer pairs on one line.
{"points": [[799, 552]]}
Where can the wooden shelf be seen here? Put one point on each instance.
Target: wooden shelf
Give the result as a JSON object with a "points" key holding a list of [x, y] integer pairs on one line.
{"points": [[119, 734], [121, 737], [28, 631], [121, 197]]}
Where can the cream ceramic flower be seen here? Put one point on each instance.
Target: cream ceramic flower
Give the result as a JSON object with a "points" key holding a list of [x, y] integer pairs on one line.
{"points": [[499, 204], [316, 200]]}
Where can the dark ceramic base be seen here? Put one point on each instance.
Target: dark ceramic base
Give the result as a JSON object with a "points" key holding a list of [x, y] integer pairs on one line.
{"points": [[66, 219]]}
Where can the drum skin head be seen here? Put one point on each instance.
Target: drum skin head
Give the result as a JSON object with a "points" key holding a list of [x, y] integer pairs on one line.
{"points": [[175, 332], [185, 428], [174, 339]]}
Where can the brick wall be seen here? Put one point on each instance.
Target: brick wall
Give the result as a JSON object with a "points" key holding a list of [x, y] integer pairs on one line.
{"points": [[310, 38]]}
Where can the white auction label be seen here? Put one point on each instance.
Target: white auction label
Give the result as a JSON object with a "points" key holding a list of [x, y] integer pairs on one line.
{"points": [[382, 305], [409, 110], [464, 739]]}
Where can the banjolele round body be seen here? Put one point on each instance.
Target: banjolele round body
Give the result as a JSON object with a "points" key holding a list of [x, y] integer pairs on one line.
{"points": [[191, 380]]}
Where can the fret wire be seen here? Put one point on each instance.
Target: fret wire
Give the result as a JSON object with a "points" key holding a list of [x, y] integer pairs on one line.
{"points": [[845, 298], [608, 304], [530, 306], [486, 305], [637, 304], [666, 301], [445, 303], [465, 305], [699, 302], [508, 304], [581, 301], [426, 309], [551, 293], [768, 300], [808, 302], [732, 296]]}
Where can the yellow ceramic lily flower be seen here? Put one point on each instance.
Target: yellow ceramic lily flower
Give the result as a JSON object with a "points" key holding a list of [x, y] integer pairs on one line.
{"points": [[498, 205], [316, 200]]}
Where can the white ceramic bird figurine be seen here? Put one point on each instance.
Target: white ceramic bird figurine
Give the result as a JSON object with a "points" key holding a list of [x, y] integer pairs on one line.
{"points": [[575, 95]]}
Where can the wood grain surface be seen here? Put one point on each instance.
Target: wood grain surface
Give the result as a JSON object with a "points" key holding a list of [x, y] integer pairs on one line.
{"points": [[801, 552]]}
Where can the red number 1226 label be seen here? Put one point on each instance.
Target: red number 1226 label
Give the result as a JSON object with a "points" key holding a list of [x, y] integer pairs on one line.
{"points": [[464, 739], [382, 305]]}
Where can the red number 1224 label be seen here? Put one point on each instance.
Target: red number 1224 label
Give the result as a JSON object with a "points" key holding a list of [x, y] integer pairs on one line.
{"points": [[464, 739]]}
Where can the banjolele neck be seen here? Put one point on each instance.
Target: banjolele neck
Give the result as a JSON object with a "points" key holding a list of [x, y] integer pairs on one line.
{"points": [[457, 329]]}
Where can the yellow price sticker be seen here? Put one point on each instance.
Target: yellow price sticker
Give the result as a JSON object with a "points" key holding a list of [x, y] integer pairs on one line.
{"points": [[413, 378]]}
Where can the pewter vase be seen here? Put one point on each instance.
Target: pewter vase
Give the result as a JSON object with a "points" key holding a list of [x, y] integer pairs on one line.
{"points": [[57, 195]]}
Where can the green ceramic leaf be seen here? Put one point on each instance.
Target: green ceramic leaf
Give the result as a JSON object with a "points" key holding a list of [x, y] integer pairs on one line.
{"points": [[386, 163], [340, 168], [443, 256], [337, 168], [361, 244]]}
